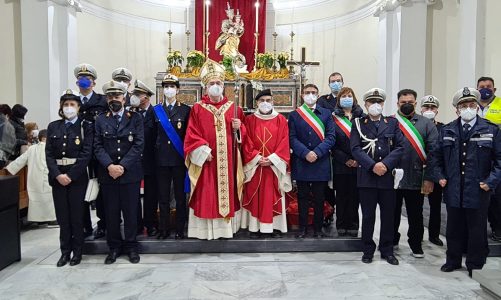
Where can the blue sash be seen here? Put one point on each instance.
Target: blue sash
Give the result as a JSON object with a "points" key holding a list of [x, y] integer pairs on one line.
{"points": [[174, 138]]}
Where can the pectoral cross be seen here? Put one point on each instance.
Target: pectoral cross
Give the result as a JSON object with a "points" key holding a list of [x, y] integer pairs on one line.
{"points": [[302, 64]]}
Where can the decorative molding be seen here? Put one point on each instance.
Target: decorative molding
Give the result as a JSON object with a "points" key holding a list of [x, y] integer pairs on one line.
{"points": [[367, 10], [163, 3], [283, 5], [391, 5]]}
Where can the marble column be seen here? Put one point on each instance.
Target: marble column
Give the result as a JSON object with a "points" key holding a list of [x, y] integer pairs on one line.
{"points": [[402, 48], [49, 53]]}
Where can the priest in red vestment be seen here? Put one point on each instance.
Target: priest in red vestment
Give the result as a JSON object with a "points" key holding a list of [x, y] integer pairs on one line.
{"points": [[214, 206], [266, 166]]}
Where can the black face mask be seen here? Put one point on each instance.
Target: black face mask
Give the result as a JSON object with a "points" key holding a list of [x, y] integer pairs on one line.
{"points": [[407, 109], [115, 106]]}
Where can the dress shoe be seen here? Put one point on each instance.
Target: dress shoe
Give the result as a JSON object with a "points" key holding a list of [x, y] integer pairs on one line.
{"points": [[254, 235], [392, 260], [342, 232], [151, 231], [437, 241], [65, 258], [301, 235], [162, 235], [111, 258], [495, 237], [353, 233], [75, 260], [319, 235], [276, 234], [179, 236], [366, 259], [449, 268], [99, 233], [134, 257], [417, 254]]}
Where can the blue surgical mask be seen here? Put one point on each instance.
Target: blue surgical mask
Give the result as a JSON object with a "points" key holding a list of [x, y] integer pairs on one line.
{"points": [[486, 93], [346, 102], [336, 86], [84, 82]]}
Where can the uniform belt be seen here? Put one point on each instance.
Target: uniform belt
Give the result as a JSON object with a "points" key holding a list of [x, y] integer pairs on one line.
{"points": [[66, 161]]}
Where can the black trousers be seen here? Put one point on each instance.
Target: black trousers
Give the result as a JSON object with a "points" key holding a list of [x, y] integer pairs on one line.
{"points": [[150, 202], [166, 176], [369, 199], [314, 190], [494, 215], [121, 199], [414, 206], [69, 206], [435, 200], [346, 202], [468, 226]]}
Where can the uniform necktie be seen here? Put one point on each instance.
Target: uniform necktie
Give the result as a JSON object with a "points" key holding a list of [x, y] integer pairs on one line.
{"points": [[169, 107], [84, 100], [117, 117], [466, 127]]}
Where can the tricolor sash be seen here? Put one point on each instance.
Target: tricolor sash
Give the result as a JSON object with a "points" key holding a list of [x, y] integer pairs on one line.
{"points": [[309, 117], [344, 124], [413, 136], [174, 138]]}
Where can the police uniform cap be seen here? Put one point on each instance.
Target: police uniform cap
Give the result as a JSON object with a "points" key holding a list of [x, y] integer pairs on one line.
{"points": [[169, 78], [121, 74], [114, 87], [85, 70], [69, 94], [375, 95], [430, 100], [140, 87], [465, 94]]}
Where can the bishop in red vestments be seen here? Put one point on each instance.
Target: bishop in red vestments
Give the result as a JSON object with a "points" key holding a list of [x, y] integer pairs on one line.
{"points": [[266, 167], [214, 206]]}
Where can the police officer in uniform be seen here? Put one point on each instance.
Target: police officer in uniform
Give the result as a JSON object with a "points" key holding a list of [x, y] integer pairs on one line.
{"points": [[124, 76], [68, 152], [377, 145], [429, 109], [169, 162], [118, 145], [468, 162], [141, 97], [93, 104]]}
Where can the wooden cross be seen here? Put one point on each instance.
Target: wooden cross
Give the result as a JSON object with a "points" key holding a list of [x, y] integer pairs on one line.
{"points": [[302, 64]]}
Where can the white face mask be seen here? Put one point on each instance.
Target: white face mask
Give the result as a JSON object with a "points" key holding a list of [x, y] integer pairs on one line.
{"points": [[310, 99], [375, 109], [215, 90], [170, 92], [69, 112], [468, 114], [429, 114], [265, 107], [135, 101], [34, 133]]}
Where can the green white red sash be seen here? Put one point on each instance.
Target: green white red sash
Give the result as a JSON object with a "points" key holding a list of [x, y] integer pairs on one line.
{"points": [[309, 117], [344, 124], [412, 135]]}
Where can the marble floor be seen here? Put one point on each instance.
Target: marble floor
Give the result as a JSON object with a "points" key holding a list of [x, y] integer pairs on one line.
{"points": [[233, 276]]}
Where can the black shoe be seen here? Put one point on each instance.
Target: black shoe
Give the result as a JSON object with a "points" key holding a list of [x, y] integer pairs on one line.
{"points": [[301, 235], [65, 258], [276, 234], [93, 205], [254, 235], [111, 258], [75, 260], [495, 237], [449, 268], [162, 235], [437, 241], [366, 259], [151, 231], [99, 233], [353, 233], [134, 257], [342, 232], [179, 236], [392, 260], [319, 235]]}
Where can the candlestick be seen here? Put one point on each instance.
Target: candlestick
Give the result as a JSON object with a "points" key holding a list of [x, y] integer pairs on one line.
{"points": [[256, 35], [275, 51], [291, 68], [170, 40], [257, 15], [207, 3]]}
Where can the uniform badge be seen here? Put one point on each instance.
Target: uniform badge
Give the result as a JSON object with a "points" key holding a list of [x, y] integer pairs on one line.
{"points": [[77, 141], [131, 138], [179, 125]]}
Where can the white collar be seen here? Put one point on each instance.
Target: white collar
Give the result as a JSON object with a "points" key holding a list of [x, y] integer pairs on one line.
{"points": [[88, 96], [271, 116], [472, 122]]}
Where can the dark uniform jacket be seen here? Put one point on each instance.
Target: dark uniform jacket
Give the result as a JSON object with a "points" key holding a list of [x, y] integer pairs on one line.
{"points": [[303, 139], [122, 145], [165, 153], [465, 161], [74, 141], [410, 161], [327, 101], [149, 139], [389, 149], [341, 152], [96, 105]]}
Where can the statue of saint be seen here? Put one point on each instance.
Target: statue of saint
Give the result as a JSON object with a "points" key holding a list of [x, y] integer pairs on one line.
{"points": [[229, 39]]}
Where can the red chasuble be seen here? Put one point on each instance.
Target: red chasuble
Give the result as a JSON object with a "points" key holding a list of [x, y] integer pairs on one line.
{"points": [[213, 190], [262, 196]]}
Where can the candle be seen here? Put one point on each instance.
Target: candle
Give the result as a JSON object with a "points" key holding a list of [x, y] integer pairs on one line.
{"points": [[188, 17], [207, 3], [257, 15]]}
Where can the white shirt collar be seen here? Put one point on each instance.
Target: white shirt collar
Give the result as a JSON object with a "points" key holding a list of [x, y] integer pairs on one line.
{"points": [[88, 96], [173, 103], [472, 122]]}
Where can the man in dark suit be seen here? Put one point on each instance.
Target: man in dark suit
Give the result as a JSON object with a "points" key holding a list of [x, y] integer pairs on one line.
{"points": [[93, 104], [170, 123], [118, 145], [311, 135], [329, 101], [141, 95], [377, 144]]}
